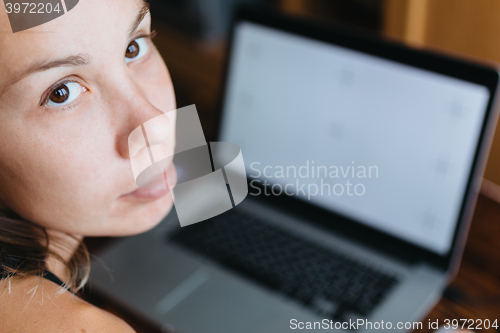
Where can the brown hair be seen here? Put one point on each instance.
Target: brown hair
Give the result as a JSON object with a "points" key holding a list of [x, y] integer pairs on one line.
{"points": [[24, 249]]}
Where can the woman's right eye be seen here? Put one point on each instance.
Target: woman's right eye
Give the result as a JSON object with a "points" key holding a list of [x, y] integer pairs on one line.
{"points": [[65, 93], [136, 49]]}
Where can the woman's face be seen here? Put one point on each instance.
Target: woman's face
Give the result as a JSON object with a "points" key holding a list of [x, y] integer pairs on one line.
{"points": [[71, 92]]}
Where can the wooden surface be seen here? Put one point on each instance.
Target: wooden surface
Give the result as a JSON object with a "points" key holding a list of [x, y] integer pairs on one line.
{"points": [[478, 279], [406, 20]]}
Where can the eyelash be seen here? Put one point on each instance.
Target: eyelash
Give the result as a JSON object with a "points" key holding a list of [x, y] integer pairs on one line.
{"points": [[151, 35], [46, 95]]}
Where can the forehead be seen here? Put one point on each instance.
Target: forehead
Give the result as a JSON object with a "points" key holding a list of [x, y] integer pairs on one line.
{"points": [[91, 25]]}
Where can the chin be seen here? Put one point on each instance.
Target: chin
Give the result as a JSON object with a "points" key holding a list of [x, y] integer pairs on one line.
{"points": [[143, 216]]}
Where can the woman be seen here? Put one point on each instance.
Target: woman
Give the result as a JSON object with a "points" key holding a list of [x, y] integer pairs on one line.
{"points": [[71, 92]]}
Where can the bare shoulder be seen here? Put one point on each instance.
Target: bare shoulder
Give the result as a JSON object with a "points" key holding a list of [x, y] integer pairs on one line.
{"points": [[37, 305]]}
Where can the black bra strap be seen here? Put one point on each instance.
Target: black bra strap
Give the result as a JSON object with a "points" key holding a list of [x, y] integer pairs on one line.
{"points": [[46, 274], [51, 277]]}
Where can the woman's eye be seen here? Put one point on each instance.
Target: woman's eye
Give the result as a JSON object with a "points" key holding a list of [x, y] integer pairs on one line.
{"points": [[65, 93], [136, 49]]}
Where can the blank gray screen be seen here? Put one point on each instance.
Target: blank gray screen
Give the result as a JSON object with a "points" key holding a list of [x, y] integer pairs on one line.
{"points": [[295, 102]]}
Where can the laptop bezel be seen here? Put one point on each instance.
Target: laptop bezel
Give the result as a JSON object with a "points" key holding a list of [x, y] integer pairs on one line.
{"points": [[374, 45]]}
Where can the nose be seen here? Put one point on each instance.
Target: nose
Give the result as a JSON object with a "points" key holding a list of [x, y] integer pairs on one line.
{"points": [[150, 143], [157, 132], [145, 135], [144, 126]]}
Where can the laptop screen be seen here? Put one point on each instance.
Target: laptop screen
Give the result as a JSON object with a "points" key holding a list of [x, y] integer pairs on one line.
{"points": [[386, 144]]}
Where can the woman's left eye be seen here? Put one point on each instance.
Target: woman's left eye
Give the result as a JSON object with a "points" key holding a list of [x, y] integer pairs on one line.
{"points": [[65, 93], [136, 49]]}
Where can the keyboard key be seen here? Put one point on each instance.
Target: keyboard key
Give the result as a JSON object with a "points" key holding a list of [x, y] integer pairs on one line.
{"points": [[324, 306]]}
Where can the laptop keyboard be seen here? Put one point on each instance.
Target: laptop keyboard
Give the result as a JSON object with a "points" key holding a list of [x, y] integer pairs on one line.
{"points": [[326, 281]]}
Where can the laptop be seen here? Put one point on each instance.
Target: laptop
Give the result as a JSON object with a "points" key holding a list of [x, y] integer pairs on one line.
{"points": [[364, 160]]}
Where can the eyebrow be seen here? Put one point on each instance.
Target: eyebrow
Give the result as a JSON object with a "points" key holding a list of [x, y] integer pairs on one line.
{"points": [[70, 61], [140, 17]]}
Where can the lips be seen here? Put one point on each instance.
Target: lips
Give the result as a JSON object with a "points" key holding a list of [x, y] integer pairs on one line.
{"points": [[156, 189], [146, 194]]}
